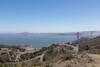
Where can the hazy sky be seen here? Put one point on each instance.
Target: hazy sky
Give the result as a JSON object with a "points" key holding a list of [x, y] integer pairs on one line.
{"points": [[49, 15]]}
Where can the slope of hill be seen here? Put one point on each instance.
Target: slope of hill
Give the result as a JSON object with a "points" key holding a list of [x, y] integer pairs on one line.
{"points": [[62, 56], [92, 45], [96, 58], [55, 51], [81, 60]]}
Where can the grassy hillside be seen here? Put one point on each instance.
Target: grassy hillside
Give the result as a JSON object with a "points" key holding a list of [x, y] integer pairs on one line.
{"points": [[92, 45]]}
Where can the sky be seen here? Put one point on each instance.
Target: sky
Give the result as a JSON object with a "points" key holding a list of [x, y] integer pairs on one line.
{"points": [[48, 16]]}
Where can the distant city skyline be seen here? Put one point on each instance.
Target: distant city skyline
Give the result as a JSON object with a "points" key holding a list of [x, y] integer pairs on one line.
{"points": [[49, 16]]}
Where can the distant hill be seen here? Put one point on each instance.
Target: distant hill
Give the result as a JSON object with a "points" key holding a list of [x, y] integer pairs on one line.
{"points": [[82, 34]]}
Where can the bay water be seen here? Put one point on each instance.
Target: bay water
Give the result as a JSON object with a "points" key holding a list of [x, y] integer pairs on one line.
{"points": [[36, 40]]}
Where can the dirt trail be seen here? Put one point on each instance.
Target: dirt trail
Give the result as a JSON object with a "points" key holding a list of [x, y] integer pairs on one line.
{"points": [[96, 58]]}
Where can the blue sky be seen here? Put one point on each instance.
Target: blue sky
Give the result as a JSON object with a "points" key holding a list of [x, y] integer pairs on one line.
{"points": [[49, 15]]}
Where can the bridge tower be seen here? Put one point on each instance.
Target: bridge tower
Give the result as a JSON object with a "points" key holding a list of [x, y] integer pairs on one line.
{"points": [[77, 46], [78, 35], [91, 34]]}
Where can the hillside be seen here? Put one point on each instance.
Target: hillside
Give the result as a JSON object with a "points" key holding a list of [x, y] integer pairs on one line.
{"points": [[91, 45], [96, 58], [62, 56], [55, 51]]}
